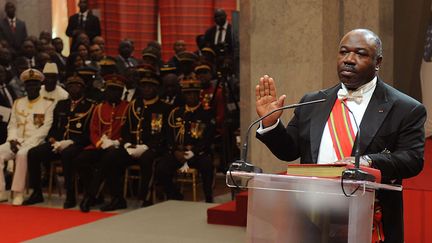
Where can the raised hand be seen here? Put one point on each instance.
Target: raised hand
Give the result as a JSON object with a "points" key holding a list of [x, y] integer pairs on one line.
{"points": [[267, 101]]}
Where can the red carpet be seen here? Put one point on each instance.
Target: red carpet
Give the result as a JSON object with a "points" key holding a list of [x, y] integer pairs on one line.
{"points": [[23, 223]]}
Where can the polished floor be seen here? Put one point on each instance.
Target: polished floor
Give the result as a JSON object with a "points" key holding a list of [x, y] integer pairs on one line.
{"points": [[165, 222], [222, 194]]}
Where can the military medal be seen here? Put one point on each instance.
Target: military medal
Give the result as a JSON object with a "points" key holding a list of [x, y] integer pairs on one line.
{"points": [[197, 129], [156, 123], [78, 125]]}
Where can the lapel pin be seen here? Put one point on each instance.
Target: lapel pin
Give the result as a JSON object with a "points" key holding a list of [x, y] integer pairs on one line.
{"points": [[380, 111]]}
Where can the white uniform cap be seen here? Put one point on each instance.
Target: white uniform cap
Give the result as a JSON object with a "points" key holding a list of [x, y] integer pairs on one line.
{"points": [[50, 67]]}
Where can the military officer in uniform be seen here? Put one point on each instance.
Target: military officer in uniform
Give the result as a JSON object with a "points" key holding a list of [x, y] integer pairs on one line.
{"points": [[211, 94], [50, 89], [94, 84], [145, 130], [95, 163], [30, 121], [191, 131], [67, 138]]}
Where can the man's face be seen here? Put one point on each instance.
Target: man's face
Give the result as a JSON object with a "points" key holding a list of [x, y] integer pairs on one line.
{"points": [[10, 10], [83, 52], [79, 61], [100, 41], [50, 81], [83, 38], [75, 90], [179, 46], [220, 17], [83, 6], [148, 91], [204, 75], [125, 49], [5, 57], [357, 62], [113, 94], [49, 48], [32, 88], [171, 86], [191, 97], [95, 52], [58, 44], [29, 49]]}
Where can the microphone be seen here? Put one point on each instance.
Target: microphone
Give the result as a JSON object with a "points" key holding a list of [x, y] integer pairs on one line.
{"points": [[242, 164], [356, 173]]}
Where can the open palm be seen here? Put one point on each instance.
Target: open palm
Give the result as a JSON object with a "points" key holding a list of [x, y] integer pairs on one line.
{"points": [[267, 101]]}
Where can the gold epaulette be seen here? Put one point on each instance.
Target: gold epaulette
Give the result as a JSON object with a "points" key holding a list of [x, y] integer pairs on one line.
{"points": [[171, 121]]}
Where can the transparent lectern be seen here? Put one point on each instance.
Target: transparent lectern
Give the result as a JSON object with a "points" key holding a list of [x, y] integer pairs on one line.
{"points": [[295, 209]]}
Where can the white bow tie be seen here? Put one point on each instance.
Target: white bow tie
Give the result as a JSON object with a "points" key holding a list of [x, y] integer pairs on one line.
{"points": [[356, 96]]}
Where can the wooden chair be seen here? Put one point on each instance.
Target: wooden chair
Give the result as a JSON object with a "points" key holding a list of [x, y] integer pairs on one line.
{"points": [[129, 177], [56, 168], [190, 176]]}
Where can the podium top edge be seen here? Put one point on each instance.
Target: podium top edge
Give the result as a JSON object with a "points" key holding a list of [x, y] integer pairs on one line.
{"points": [[311, 179]]}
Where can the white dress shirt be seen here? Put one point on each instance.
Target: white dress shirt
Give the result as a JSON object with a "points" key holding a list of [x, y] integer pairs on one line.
{"points": [[130, 95], [218, 32]]}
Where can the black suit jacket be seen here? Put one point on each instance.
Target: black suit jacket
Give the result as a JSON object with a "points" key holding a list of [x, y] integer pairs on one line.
{"points": [[210, 34], [4, 102], [74, 124], [392, 122], [3, 99], [121, 65], [15, 39], [91, 28]]}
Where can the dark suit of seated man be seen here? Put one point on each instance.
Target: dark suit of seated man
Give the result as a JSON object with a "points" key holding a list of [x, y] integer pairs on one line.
{"points": [[391, 124]]}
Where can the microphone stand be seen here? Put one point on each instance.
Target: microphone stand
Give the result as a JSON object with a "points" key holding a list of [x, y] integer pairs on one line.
{"points": [[356, 173], [242, 164]]}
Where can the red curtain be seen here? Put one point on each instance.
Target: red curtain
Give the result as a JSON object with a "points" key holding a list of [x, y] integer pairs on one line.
{"points": [[132, 19], [185, 19], [137, 20]]}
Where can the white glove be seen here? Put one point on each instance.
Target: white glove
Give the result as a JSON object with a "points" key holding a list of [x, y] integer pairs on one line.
{"points": [[137, 151], [184, 168], [60, 145], [106, 143], [188, 155]]}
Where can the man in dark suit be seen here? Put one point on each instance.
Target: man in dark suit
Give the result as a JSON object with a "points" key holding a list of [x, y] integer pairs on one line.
{"points": [[83, 21], [7, 97], [125, 59], [219, 37], [391, 124], [12, 30]]}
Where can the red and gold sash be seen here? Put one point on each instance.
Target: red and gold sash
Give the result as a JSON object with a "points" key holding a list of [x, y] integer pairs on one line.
{"points": [[341, 130], [343, 138]]}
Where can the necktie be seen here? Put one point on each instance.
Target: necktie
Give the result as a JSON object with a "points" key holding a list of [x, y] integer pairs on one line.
{"points": [[219, 40], [12, 25], [126, 95], [81, 20]]}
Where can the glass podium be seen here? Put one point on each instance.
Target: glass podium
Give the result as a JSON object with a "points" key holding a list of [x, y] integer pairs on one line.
{"points": [[296, 209]]}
